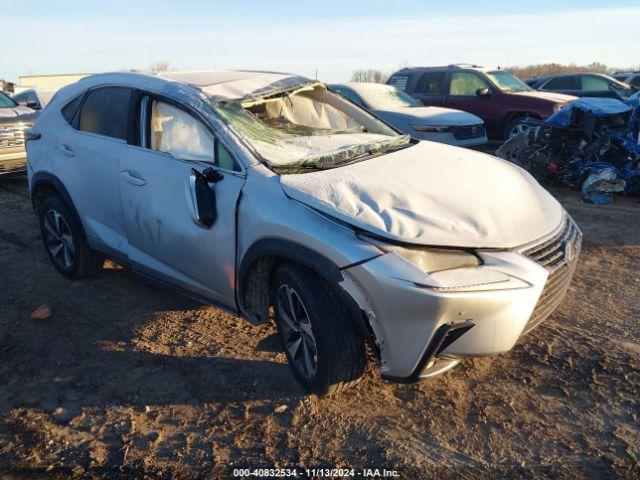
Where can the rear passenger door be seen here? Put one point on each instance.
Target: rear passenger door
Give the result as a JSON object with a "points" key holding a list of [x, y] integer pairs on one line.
{"points": [[160, 202], [430, 88], [102, 129]]}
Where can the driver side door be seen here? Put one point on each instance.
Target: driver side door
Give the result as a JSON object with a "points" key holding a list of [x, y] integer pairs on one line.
{"points": [[163, 194], [462, 95]]}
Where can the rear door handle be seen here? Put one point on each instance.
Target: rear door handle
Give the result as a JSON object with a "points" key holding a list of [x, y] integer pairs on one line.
{"points": [[132, 178], [66, 150]]}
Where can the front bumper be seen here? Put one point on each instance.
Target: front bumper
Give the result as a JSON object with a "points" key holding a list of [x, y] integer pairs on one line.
{"points": [[408, 319], [13, 160]]}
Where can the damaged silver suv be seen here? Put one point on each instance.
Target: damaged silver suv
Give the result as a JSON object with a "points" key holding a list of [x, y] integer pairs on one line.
{"points": [[254, 190]]}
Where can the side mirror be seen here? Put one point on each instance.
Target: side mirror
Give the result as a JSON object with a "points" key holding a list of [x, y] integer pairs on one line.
{"points": [[483, 92], [33, 105], [203, 196]]}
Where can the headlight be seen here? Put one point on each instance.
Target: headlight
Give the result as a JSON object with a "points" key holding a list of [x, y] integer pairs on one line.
{"points": [[452, 270], [431, 260], [431, 128]]}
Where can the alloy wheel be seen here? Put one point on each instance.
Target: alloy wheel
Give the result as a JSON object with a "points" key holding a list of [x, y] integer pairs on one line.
{"points": [[59, 239], [296, 332], [517, 129]]}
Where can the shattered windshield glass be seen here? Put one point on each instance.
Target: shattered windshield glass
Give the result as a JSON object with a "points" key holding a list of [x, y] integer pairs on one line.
{"points": [[308, 128], [507, 82], [384, 97]]}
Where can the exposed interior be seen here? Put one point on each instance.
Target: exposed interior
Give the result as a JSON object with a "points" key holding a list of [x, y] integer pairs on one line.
{"points": [[307, 127]]}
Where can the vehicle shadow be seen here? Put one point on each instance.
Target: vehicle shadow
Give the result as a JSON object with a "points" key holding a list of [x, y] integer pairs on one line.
{"points": [[118, 339]]}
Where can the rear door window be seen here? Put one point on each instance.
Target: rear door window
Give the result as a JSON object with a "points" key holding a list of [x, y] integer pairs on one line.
{"points": [[593, 84], [110, 111], [561, 83], [70, 109], [431, 83], [465, 84]]}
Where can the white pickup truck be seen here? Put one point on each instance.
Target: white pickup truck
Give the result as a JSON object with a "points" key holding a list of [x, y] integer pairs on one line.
{"points": [[14, 119]]}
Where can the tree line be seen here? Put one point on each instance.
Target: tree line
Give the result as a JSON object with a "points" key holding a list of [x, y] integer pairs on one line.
{"points": [[524, 72]]}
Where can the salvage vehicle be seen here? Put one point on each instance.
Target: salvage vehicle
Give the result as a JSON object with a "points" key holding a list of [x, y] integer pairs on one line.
{"points": [[14, 119], [406, 114], [252, 190], [498, 97], [592, 144], [583, 85]]}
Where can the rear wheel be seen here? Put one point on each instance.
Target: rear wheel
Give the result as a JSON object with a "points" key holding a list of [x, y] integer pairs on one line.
{"points": [[64, 240], [324, 348]]}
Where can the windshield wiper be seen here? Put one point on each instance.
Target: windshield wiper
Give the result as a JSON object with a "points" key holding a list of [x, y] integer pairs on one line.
{"points": [[374, 152]]}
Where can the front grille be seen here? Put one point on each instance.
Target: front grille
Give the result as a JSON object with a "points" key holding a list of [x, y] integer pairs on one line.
{"points": [[559, 255], [467, 132], [12, 136]]}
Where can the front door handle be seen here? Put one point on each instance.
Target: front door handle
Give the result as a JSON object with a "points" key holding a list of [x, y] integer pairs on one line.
{"points": [[132, 178], [66, 150]]}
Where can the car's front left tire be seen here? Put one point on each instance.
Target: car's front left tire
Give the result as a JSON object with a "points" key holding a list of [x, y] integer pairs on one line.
{"points": [[64, 240], [324, 348]]}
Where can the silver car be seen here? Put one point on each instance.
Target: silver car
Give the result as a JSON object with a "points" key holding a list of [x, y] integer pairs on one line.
{"points": [[253, 190], [405, 113]]}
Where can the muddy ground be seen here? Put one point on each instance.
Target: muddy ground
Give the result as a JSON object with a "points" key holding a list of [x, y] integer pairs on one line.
{"points": [[128, 379]]}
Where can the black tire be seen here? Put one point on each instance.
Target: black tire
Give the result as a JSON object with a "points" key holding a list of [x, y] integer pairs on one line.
{"points": [[77, 260], [339, 353], [512, 123]]}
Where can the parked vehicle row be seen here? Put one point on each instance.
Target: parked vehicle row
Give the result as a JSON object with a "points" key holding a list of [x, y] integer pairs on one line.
{"points": [[583, 85], [264, 192], [405, 113], [498, 97]]}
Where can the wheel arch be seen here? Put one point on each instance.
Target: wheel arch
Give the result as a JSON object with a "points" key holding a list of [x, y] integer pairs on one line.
{"points": [[519, 113], [265, 256], [46, 184]]}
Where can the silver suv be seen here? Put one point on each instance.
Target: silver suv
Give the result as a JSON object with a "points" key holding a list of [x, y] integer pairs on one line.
{"points": [[254, 190]]}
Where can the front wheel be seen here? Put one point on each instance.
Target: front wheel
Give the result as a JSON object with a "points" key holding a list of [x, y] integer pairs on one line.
{"points": [[515, 127], [324, 348]]}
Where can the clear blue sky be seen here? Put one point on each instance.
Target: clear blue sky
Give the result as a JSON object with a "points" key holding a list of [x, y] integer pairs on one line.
{"points": [[334, 37]]}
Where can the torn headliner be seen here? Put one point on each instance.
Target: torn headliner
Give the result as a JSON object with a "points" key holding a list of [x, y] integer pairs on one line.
{"points": [[221, 86]]}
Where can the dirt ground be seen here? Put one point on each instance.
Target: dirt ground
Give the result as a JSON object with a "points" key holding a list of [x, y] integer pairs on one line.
{"points": [[128, 379]]}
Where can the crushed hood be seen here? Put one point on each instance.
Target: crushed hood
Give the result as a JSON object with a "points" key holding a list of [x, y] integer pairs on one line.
{"points": [[433, 194], [551, 96], [431, 116]]}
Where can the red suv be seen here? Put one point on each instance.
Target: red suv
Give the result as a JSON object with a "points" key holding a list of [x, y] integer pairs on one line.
{"points": [[498, 97]]}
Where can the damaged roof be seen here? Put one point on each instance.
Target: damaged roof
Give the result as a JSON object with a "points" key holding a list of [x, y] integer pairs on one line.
{"points": [[225, 85]]}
